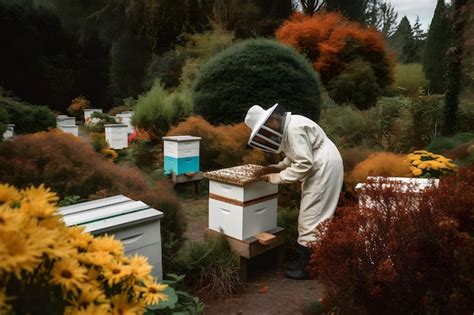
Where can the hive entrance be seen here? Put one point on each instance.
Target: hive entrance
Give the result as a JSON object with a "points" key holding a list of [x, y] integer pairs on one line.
{"points": [[240, 175]]}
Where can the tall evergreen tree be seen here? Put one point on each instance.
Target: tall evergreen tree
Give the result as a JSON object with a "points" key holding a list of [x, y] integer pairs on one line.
{"points": [[419, 36], [403, 43], [437, 43], [354, 9], [453, 69]]}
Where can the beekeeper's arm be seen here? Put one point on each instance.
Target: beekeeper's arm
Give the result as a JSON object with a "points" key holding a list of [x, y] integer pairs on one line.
{"points": [[285, 163], [303, 163]]}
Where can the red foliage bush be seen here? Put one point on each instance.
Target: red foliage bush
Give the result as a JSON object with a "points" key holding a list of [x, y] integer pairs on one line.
{"points": [[410, 255], [70, 167], [332, 42]]}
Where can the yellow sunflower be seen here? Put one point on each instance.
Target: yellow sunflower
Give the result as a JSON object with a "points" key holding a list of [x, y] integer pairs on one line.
{"points": [[39, 194], [95, 258], [78, 238], [10, 219], [68, 274], [22, 251], [121, 306], [115, 272], [40, 209], [89, 294], [139, 267], [153, 293], [8, 194], [4, 306], [91, 309], [106, 244]]}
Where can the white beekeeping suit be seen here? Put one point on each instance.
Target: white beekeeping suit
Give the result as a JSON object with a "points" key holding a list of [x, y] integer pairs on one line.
{"points": [[311, 158]]}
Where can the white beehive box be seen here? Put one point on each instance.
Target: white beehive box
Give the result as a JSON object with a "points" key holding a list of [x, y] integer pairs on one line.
{"points": [[10, 132], [65, 120], [240, 205], [72, 129], [181, 154], [126, 119], [132, 222], [88, 112], [402, 184], [116, 136]]}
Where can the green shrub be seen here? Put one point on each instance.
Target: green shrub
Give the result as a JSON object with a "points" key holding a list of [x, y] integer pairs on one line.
{"points": [[466, 115], [410, 78], [157, 110], [102, 119], [184, 302], [70, 167], [3, 122], [357, 84], [210, 266], [420, 122], [344, 125], [382, 123], [253, 72], [26, 117], [288, 219], [442, 144], [98, 142]]}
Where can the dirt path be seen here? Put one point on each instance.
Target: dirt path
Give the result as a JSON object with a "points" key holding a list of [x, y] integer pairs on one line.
{"points": [[266, 292]]}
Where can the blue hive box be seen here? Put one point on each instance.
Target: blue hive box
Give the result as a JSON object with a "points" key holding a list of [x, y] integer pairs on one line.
{"points": [[181, 154]]}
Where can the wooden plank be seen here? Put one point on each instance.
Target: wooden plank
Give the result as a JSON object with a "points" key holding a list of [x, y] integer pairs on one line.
{"points": [[265, 238], [184, 178], [251, 247]]}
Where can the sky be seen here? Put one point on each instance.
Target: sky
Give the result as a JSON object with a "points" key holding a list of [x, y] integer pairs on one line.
{"points": [[412, 8]]}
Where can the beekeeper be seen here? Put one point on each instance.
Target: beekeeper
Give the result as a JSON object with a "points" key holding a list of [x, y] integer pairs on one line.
{"points": [[311, 158]]}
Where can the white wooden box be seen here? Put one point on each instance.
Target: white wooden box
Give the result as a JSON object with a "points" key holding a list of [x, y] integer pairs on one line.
{"points": [[116, 135], [65, 120], [132, 222], [403, 184], [72, 129], [242, 222], [245, 193], [9, 132], [126, 119], [181, 146], [88, 112]]}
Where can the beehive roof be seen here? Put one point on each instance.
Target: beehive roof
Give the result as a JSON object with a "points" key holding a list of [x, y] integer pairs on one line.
{"points": [[239, 175]]}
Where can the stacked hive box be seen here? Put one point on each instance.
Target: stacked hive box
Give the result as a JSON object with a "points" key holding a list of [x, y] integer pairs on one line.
{"points": [[181, 154], [132, 222], [240, 205], [67, 124], [88, 112], [9, 132], [414, 186], [126, 119], [116, 136]]}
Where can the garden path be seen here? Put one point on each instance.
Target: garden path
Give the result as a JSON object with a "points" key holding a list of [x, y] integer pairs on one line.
{"points": [[266, 292]]}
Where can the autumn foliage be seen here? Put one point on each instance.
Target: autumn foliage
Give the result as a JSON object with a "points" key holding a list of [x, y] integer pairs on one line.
{"points": [[409, 255], [70, 167], [221, 146], [332, 43], [77, 106]]}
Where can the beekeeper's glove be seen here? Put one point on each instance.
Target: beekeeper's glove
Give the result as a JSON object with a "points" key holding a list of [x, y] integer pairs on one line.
{"points": [[273, 178]]}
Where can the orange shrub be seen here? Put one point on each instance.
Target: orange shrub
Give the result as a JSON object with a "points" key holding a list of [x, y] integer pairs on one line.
{"points": [[70, 167], [77, 106], [379, 164], [332, 42], [222, 146]]}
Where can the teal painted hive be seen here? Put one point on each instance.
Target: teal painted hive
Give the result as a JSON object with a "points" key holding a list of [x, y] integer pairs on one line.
{"points": [[181, 154]]}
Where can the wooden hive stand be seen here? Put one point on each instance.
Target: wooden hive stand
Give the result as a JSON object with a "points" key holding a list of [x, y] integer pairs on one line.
{"points": [[255, 246], [194, 178]]}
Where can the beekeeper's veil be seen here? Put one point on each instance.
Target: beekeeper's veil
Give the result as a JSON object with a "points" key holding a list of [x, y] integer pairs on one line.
{"points": [[265, 135]]}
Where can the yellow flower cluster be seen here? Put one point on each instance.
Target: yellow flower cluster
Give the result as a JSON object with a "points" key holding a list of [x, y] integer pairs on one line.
{"points": [[91, 275], [109, 153], [427, 164]]}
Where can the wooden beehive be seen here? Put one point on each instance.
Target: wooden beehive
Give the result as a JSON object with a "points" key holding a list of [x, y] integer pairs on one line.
{"points": [[241, 205], [116, 136], [181, 154], [72, 129], [9, 132], [134, 223], [414, 186], [126, 119], [88, 112], [65, 120]]}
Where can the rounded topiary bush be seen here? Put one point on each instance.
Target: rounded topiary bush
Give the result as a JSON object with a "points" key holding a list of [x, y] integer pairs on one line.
{"points": [[256, 71]]}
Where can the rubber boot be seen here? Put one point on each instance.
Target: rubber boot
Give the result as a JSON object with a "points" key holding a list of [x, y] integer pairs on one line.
{"points": [[300, 272]]}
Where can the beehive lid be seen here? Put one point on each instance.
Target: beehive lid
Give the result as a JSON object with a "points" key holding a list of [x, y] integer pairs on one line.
{"points": [[116, 126], [239, 175], [108, 213], [181, 138], [92, 109], [404, 184]]}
